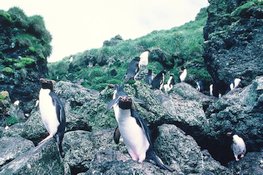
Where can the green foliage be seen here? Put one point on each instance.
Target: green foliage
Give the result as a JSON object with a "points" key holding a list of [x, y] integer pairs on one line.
{"points": [[18, 17], [11, 120], [179, 43], [28, 33], [8, 70], [155, 66], [5, 17], [246, 6], [2, 97], [24, 62]]}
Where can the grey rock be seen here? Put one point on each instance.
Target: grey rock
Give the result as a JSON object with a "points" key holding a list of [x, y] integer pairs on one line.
{"points": [[251, 164], [126, 167], [183, 153], [241, 111], [159, 108], [233, 40], [12, 147], [84, 106], [83, 148], [96, 153], [44, 159]]}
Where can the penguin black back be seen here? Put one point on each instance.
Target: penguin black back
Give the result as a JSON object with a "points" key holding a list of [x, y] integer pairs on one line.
{"points": [[61, 117], [132, 70], [158, 80], [149, 77]]}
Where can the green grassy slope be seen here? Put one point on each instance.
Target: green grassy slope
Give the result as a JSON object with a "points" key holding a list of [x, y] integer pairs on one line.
{"points": [[180, 46]]}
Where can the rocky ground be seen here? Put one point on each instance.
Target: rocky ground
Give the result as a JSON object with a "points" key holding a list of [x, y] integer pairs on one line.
{"points": [[233, 40], [188, 129]]}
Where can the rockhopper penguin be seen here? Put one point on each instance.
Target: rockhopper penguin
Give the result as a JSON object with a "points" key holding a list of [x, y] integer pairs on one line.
{"points": [[52, 113], [238, 146], [132, 70], [133, 129]]}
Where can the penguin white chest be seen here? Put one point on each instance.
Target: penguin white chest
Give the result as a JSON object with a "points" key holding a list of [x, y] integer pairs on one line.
{"points": [[144, 59], [238, 147], [133, 135], [183, 75], [48, 111]]}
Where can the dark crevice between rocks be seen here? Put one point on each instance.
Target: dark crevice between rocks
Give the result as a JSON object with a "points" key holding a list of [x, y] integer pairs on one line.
{"points": [[78, 169], [219, 148], [6, 162]]}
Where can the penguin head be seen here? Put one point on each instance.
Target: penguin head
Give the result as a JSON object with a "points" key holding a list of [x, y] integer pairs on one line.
{"points": [[46, 84], [117, 94], [125, 102], [149, 71]]}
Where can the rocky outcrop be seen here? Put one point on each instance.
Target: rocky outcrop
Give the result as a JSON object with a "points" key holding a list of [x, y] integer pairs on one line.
{"points": [[184, 154], [96, 153], [44, 159], [24, 47], [233, 40], [241, 111], [12, 147], [113, 41], [188, 129], [251, 164]]}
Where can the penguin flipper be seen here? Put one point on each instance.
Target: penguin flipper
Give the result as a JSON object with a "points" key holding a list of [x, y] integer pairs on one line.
{"points": [[142, 124], [151, 155], [117, 135], [59, 108], [60, 112]]}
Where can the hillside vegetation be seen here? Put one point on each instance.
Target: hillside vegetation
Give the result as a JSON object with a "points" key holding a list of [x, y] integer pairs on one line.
{"points": [[171, 49], [24, 48]]}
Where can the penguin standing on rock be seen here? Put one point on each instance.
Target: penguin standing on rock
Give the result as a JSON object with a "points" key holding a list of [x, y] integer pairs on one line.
{"points": [[52, 113], [144, 58], [234, 84], [133, 69], [170, 83], [238, 146], [183, 74], [199, 85], [158, 80], [149, 77], [133, 129]]}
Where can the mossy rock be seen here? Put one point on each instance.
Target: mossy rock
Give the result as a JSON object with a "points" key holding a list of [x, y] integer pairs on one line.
{"points": [[4, 95], [8, 71], [24, 62]]}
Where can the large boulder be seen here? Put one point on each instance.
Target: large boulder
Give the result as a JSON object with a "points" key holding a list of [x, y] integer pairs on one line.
{"points": [[241, 111], [96, 153], [251, 164], [85, 106], [85, 149], [12, 147], [44, 159], [233, 40], [184, 154]]}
